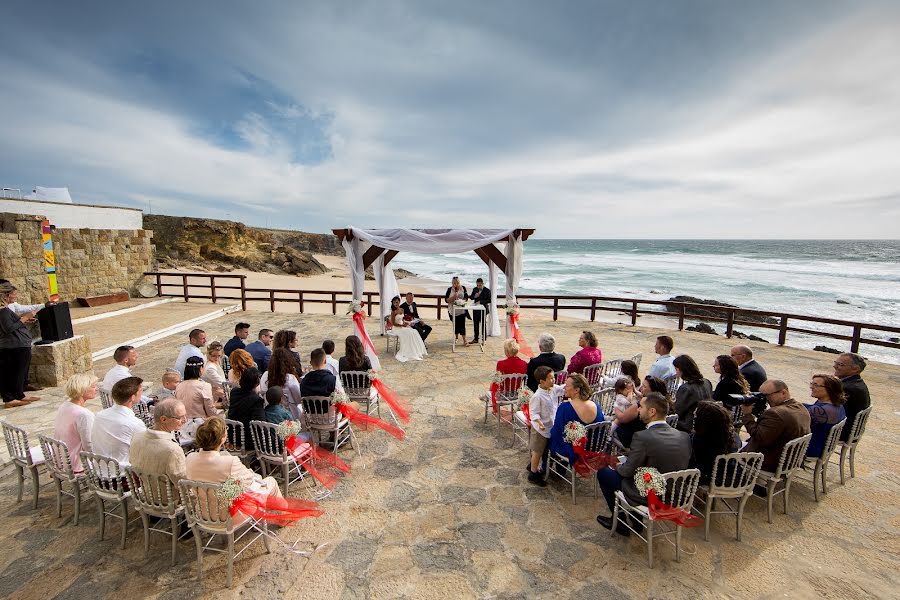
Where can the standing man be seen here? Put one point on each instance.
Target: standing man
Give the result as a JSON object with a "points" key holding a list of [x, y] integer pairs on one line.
{"points": [[659, 446], [847, 367], [663, 367], [260, 350], [241, 332], [480, 295], [411, 309], [196, 340]]}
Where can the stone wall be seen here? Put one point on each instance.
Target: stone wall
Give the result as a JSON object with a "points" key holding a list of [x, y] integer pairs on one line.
{"points": [[90, 262], [53, 364]]}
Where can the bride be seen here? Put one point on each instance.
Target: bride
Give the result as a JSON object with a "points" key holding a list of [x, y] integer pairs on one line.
{"points": [[411, 346]]}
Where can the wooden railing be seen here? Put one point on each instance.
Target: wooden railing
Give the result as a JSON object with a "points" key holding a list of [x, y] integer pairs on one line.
{"points": [[634, 307]]}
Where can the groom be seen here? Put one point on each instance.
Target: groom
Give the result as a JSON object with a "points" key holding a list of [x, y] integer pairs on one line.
{"points": [[480, 295], [410, 310]]}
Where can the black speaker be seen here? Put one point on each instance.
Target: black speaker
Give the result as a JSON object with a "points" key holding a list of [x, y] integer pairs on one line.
{"points": [[55, 322]]}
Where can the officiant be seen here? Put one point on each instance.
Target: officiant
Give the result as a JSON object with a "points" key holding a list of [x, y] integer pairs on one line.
{"points": [[455, 292], [480, 295]]}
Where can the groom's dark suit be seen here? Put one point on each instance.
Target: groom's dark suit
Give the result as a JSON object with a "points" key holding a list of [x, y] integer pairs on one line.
{"points": [[421, 327], [482, 297]]}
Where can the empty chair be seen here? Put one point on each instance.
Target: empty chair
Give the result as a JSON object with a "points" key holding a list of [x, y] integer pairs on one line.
{"points": [[790, 462], [680, 489], [155, 495], [636, 359], [594, 375], [612, 368], [820, 464], [672, 384], [733, 478], [59, 466], [849, 447], [560, 377], [207, 512], [358, 388], [236, 442], [606, 400], [272, 452], [599, 439], [24, 457], [107, 480], [507, 399], [144, 413]]}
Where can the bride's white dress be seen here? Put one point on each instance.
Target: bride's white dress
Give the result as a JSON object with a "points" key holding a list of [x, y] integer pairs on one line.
{"points": [[411, 345]]}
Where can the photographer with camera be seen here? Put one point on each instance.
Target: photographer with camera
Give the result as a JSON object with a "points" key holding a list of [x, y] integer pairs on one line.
{"points": [[784, 420]]}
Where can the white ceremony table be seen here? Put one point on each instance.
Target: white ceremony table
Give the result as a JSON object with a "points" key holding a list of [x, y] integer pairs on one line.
{"points": [[456, 310]]}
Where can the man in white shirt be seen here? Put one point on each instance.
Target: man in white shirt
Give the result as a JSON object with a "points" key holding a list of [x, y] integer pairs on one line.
{"points": [[125, 357], [196, 340], [331, 363], [663, 367], [115, 426]]}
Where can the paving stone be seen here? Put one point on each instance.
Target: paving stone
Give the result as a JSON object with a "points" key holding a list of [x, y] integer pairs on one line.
{"points": [[442, 555], [600, 589], [474, 458], [354, 554], [455, 494], [392, 469], [481, 536], [563, 553], [508, 476], [402, 497]]}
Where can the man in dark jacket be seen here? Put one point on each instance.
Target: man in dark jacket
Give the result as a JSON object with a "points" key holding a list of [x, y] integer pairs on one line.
{"points": [[752, 371], [547, 358], [847, 367], [659, 446], [410, 309], [241, 331], [480, 295], [784, 420], [320, 381]]}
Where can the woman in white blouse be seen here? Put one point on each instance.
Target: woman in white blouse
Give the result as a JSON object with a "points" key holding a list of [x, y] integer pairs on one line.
{"points": [[213, 373]]}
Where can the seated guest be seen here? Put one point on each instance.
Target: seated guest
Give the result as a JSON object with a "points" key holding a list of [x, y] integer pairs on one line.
{"points": [[547, 358], [241, 332], [579, 407], [626, 409], [275, 412], [153, 451], [663, 368], [287, 339], [282, 374], [209, 465], [752, 371], [245, 404], [125, 357], [331, 363], [213, 373], [659, 446], [694, 389], [542, 408], [847, 368], [260, 351], [115, 426], [196, 394], [826, 412], [354, 358], [170, 380], [196, 340], [630, 371], [512, 364], [655, 384], [320, 381], [74, 422], [240, 362], [731, 381], [589, 354], [713, 435], [411, 313], [784, 420]]}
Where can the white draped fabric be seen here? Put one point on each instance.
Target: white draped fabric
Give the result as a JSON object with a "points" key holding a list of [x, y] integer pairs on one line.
{"points": [[430, 241]]}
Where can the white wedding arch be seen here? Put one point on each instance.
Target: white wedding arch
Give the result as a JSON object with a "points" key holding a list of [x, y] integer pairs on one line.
{"points": [[377, 247]]}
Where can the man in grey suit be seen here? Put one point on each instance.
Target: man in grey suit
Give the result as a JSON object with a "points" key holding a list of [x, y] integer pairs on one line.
{"points": [[659, 446]]}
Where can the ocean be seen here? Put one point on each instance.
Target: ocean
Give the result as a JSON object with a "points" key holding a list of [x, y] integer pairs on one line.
{"points": [[843, 279]]}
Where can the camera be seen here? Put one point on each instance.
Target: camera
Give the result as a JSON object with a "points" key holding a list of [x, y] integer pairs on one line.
{"points": [[756, 398]]}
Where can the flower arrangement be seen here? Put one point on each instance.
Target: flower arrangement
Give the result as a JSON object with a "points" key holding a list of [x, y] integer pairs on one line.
{"points": [[288, 429], [356, 306], [523, 397], [648, 478], [497, 377], [340, 397], [231, 489], [459, 303], [511, 308], [371, 373], [574, 431]]}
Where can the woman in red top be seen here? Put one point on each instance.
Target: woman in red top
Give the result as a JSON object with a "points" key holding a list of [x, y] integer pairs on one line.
{"points": [[588, 355], [512, 364]]}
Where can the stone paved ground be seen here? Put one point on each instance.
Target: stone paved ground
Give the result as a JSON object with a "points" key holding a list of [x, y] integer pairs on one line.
{"points": [[447, 513]]}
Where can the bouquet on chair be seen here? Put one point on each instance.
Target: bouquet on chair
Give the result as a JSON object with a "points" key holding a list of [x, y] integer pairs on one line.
{"points": [[587, 462], [317, 461], [271, 509], [650, 483], [523, 400]]}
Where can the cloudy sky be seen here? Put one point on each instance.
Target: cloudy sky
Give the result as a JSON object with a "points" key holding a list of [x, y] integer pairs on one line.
{"points": [[626, 119]]}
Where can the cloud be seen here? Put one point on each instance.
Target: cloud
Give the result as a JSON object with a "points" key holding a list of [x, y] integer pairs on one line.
{"points": [[748, 122]]}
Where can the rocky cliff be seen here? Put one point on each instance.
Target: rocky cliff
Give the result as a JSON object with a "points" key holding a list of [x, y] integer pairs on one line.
{"points": [[210, 244]]}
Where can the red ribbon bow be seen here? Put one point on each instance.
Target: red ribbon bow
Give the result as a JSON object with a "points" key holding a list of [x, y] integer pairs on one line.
{"points": [[274, 509], [361, 419], [318, 462], [588, 462], [660, 511], [358, 318], [393, 400]]}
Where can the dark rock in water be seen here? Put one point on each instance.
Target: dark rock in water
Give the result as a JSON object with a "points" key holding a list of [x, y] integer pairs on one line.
{"points": [[826, 349], [696, 311], [655, 292], [702, 328], [745, 336], [894, 339], [842, 301]]}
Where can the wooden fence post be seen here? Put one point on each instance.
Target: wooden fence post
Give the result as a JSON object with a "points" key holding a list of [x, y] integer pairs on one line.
{"points": [[857, 334], [243, 292], [300, 299], [593, 309], [634, 313], [272, 300], [159, 285], [681, 317], [555, 309], [729, 327], [212, 287], [184, 287], [782, 330]]}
